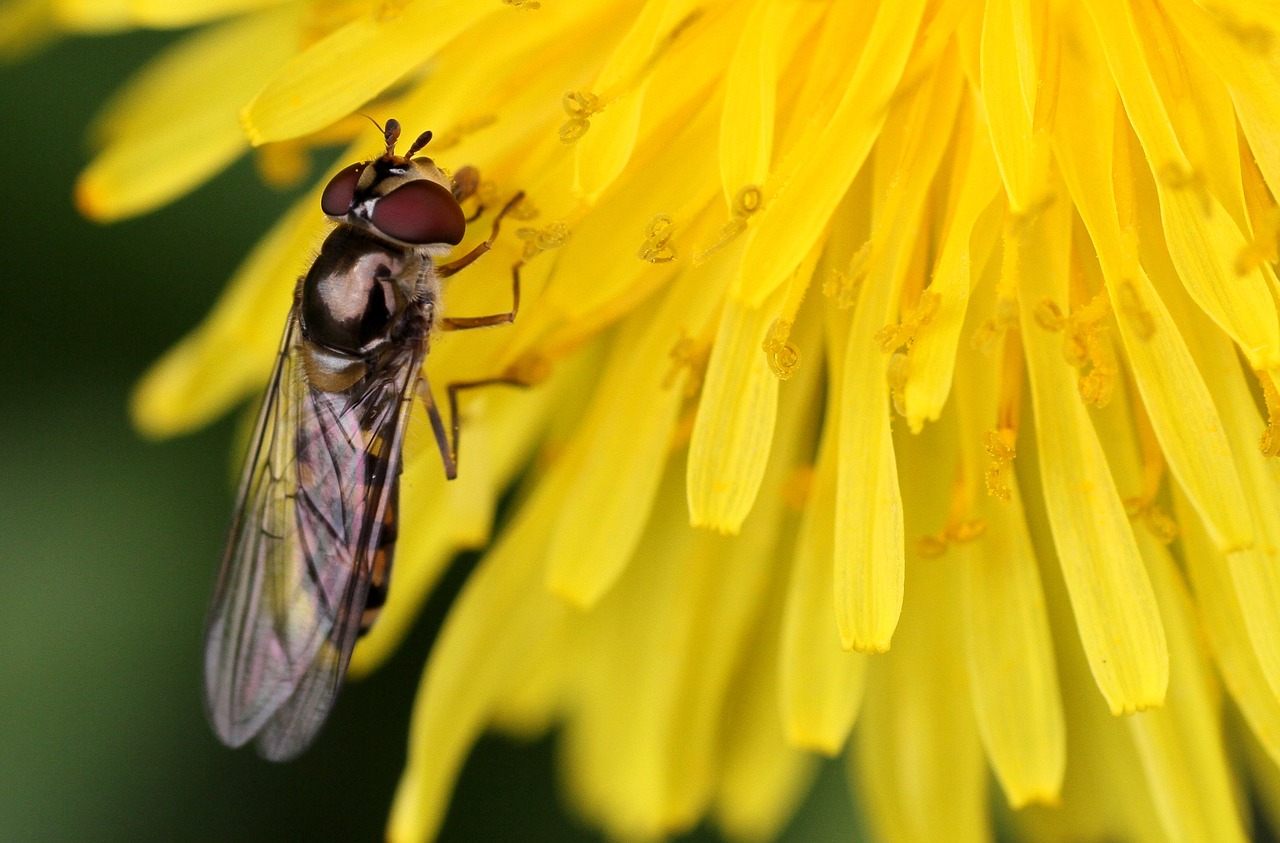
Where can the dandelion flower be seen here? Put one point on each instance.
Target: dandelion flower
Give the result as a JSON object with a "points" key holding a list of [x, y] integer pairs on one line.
{"points": [[906, 390]]}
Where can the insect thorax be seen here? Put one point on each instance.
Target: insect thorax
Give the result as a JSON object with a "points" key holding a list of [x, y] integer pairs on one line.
{"points": [[361, 294]]}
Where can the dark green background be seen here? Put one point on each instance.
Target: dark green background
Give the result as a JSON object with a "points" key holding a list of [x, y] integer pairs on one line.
{"points": [[109, 542]]}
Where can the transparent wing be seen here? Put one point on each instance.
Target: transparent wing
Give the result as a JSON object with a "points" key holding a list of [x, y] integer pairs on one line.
{"points": [[305, 541]]}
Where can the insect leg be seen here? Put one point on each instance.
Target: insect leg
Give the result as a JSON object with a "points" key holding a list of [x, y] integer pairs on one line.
{"points": [[448, 453], [447, 269], [465, 183], [455, 420], [462, 323]]}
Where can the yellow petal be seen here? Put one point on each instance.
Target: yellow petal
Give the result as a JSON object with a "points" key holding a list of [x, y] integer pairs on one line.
{"points": [[821, 684], [498, 620], [1105, 794], [965, 248], [668, 38], [1011, 89], [762, 777], [1228, 636], [339, 73], [642, 384], [1012, 667], [869, 540], [159, 141], [750, 92], [663, 201], [1204, 241], [739, 591], [1180, 744], [1178, 402], [25, 26], [165, 13], [1114, 606], [823, 163], [869, 543], [917, 755], [1253, 571], [628, 681], [96, 16], [734, 427], [602, 154], [1228, 45]]}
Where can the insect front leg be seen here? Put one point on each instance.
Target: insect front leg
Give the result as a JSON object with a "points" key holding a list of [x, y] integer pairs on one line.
{"points": [[447, 269], [463, 323]]}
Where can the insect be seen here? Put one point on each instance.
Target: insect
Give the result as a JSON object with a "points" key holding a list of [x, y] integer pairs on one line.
{"points": [[309, 551]]}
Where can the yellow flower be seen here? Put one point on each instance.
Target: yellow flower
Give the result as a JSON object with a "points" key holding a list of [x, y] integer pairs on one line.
{"points": [[821, 255]]}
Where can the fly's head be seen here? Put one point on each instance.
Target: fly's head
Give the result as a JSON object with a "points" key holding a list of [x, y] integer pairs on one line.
{"points": [[401, 198]]}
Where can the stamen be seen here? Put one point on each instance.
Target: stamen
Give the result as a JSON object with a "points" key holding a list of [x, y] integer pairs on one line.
{"points": [[1269, 442], [526, 5], [454, 136], [580, 106], [746, 203], [657, 247], [891, 337], [1133, 307], [896, 375], [283, 164], [389, 9], [691, 355], [1001, 444], [797, 487], [988, 335], [1143, 507], [784, 357], [551, 236], [957, 529], [1176, 177]]}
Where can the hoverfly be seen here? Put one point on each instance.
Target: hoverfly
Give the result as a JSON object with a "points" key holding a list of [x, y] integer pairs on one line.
{"points": [[309, 552]]}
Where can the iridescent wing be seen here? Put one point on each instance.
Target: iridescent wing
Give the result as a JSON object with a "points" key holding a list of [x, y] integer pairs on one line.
{"points": [[307, 538]]}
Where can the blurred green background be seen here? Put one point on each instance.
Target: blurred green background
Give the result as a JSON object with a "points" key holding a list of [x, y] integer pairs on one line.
{"points": [[108, 543]]}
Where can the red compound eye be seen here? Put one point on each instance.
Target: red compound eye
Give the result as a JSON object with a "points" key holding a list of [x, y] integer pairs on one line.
{"points": [[341, 189], [420, 212]]}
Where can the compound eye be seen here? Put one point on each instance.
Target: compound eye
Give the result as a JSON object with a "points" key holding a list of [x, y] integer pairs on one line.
{"points": [[341, 189], [420, 212]]}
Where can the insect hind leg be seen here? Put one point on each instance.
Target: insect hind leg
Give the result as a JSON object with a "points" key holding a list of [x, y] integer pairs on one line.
{"points": [[448, 442]]}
